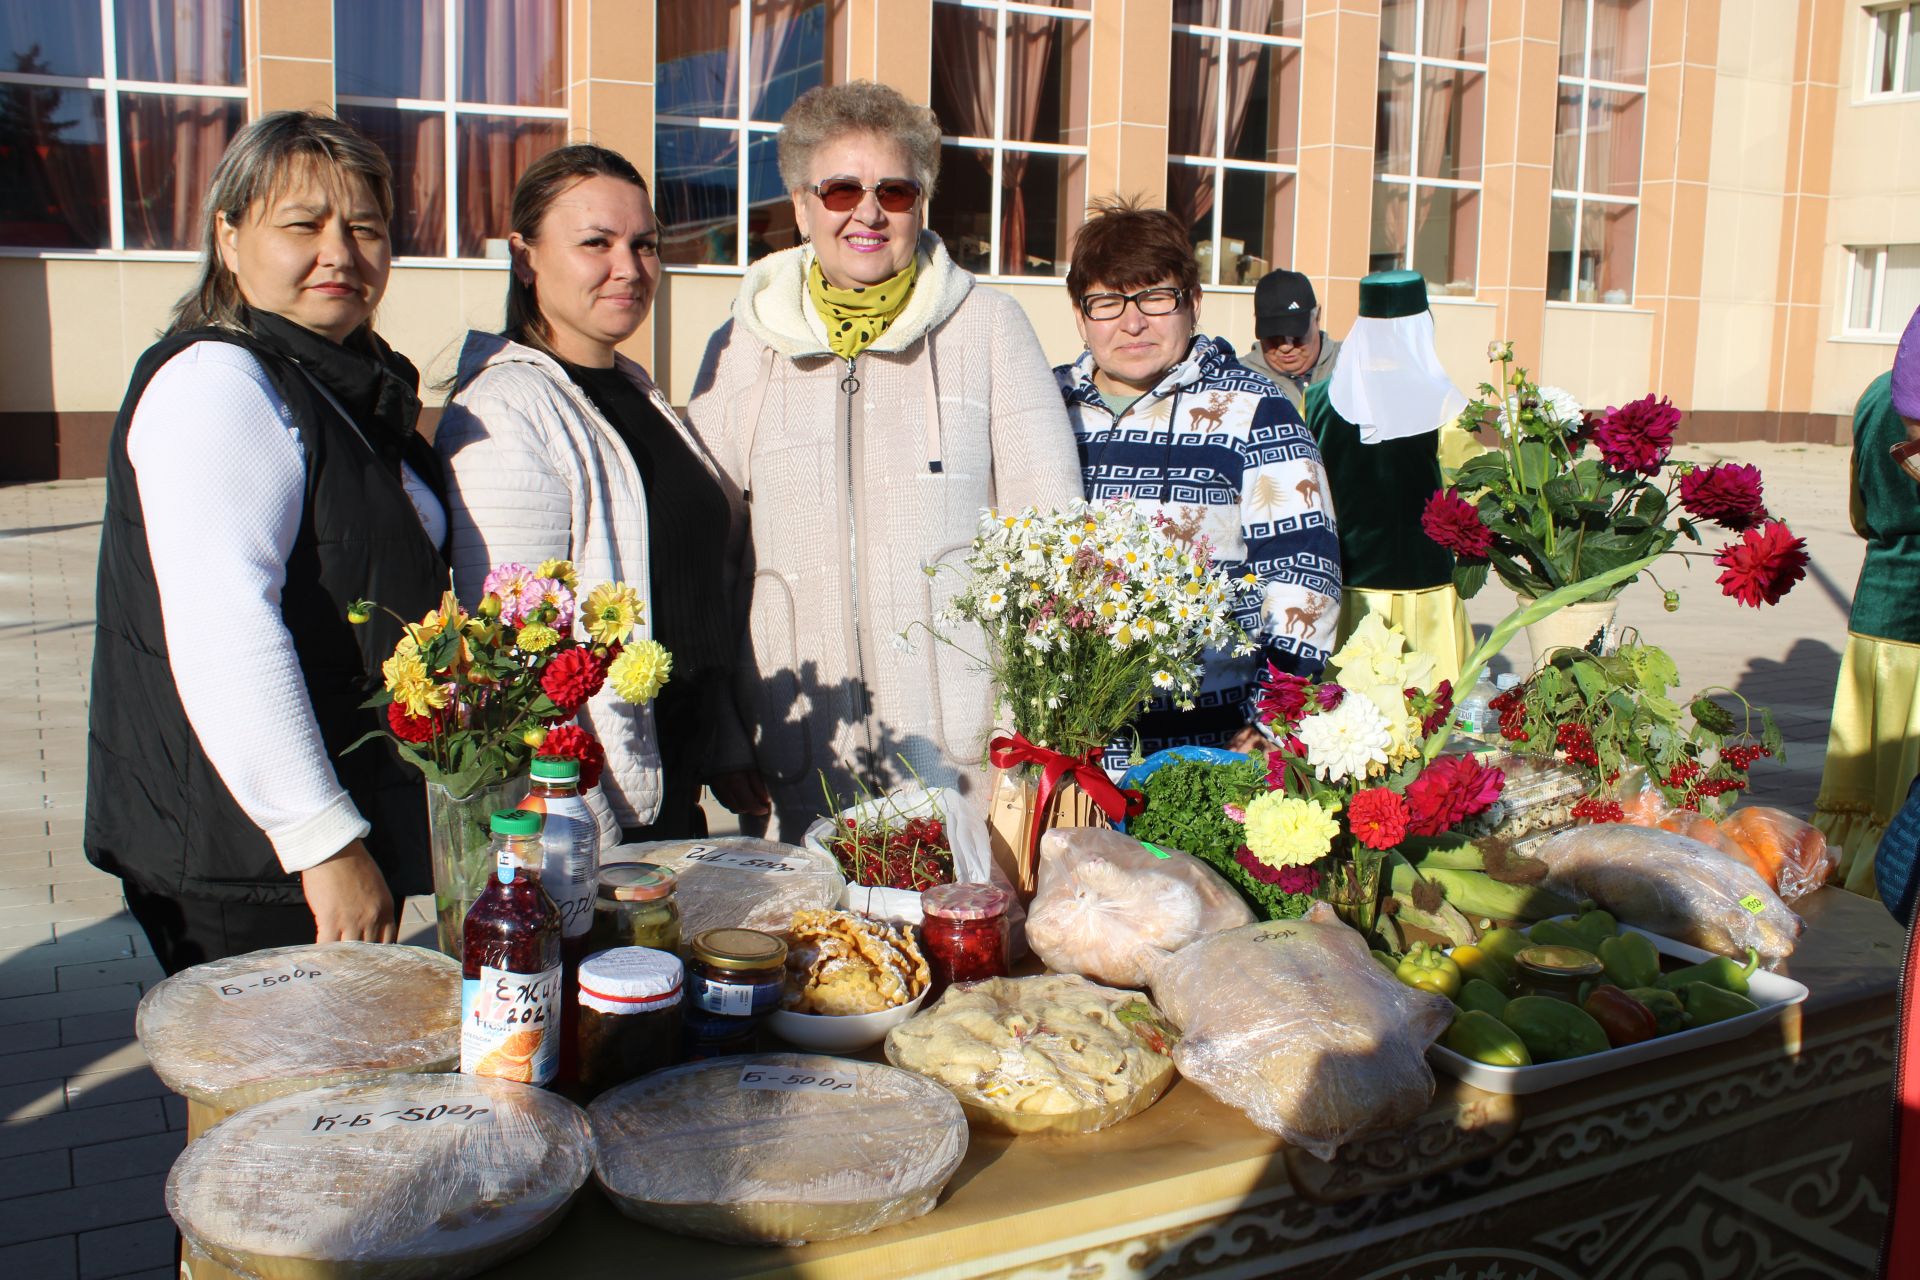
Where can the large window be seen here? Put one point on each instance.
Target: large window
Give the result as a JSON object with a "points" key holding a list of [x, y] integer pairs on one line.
{"points": [[1884, 290], [1596, 150], [1010, 87], [462, 95], [112, 116], [1893, 64], [727, 72], [1428, 137], [1233, 145]]}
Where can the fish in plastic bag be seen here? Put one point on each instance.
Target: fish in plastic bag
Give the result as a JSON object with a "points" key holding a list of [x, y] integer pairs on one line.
{"points": [[1106, 906], [1671, 884], [1297, 1025]]}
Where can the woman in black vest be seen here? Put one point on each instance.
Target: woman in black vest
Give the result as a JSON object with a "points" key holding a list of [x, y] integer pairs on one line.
{"points": [[264, 473]]}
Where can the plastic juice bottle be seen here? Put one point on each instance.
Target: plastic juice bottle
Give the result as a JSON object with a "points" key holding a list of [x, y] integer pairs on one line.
{"points": [[510, 996], [569, 872]]}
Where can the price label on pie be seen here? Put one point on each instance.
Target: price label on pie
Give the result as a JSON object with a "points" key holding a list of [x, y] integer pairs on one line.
{"points": [[742, 861], [1754, 902], [328, 1121], [242, 985], [788, 1080]]}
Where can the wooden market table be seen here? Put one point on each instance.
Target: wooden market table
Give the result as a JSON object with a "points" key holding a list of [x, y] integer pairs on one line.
{"points": [[1765, 1157]]}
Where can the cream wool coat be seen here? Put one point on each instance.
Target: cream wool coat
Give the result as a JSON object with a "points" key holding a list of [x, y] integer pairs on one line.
{"points": [[535, 472], [863, 503]]}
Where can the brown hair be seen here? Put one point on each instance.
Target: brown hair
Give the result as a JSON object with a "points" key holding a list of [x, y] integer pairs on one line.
{"points": [[542, 183], [257, 166], [830, 111], [1124, 244]]}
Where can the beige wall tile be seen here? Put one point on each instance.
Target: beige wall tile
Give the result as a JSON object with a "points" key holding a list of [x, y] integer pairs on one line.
{"points": [[287, 85], [1733, 364], [1703, 29], [1601, 356], [1542, 18], [616, 115], [619, 40], [1145, 61], [1461, 332], [1675, 349], [294, 28], [1662, 141], [1667, 30]]}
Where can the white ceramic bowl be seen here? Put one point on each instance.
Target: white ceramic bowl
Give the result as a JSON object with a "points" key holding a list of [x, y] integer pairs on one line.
{"points": [[840, 1033]]}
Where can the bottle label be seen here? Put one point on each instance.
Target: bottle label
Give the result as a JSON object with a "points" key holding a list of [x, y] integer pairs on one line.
{"points": [[731, 998], [570, 843], [510, 1025], [504, 865]]}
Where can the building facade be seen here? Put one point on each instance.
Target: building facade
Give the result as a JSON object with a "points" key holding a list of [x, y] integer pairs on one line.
{"points": [[1715, 200]]}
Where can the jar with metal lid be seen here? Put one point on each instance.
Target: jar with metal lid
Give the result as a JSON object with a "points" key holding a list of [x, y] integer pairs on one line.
{"points": [[735, 978], [965, 932], [635, 906], [629, 1016], [1556, 972]]}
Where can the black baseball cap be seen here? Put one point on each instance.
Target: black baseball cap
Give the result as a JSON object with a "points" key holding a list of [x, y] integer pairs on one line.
{"points": [[1284, 305]]}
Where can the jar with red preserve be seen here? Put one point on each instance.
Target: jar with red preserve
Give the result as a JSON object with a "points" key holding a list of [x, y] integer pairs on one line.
{"points": [[964, 932]]}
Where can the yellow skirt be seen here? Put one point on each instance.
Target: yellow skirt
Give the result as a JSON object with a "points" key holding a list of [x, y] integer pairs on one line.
{"points": [[1873, 751], [1433, 619]]}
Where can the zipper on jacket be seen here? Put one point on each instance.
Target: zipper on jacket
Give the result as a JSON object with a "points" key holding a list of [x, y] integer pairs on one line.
{"points": [[850, 387]]}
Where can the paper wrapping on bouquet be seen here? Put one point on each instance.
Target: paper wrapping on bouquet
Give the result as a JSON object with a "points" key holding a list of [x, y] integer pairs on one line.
{"points": [[1023, 808]]}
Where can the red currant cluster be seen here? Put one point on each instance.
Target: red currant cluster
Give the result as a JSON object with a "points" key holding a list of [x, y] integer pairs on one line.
{"points": [[1711, 788], [1742, 756], [1683, 773], [1576, 742], [1513, 714], [1593, 809]]}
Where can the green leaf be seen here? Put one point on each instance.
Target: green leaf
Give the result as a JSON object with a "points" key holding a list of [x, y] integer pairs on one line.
{"points": [[1536, 463], [1469, 577], [1712, 716], [1651, 505]]}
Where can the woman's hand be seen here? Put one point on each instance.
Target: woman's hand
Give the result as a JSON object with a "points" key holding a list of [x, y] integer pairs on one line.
{"points": [[349, 898], [742, 792]]}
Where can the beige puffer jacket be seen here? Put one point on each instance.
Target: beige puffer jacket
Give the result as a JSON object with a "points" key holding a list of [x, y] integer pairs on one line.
{"points": [[862, 482]]}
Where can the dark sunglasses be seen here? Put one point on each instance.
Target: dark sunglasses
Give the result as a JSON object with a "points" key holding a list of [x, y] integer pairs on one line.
{"points": [[842, 195]]}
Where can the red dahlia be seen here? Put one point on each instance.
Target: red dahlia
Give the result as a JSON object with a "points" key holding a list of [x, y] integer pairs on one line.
{"points": [[1449, 791], [1728, 495], [1454, 523], [1285, 879], [571, 742], [1378, 818], [410, 728], [1763, 565], [1432, 708], [573, 676], [1282, 696], [1638, 436]]}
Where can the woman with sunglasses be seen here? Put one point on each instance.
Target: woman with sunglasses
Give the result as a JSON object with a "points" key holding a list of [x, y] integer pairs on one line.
{"points": [[868, 398], [559, 447], [1165, 415]]}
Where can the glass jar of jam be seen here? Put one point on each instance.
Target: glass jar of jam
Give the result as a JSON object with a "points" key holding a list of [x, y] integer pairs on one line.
{"points": [[634, 906], [629, 1016], [964, 932], [735, 978], [1556, 972]]}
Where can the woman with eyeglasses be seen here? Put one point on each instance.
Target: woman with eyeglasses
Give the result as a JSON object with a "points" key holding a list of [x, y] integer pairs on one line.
{"points": [[1165, 415], [868, 398], [559, 447]]}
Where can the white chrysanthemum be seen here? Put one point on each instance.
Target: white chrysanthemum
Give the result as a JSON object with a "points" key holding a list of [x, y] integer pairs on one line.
{"points": [[1556, 402], [1344, 742], [1163, 679]]}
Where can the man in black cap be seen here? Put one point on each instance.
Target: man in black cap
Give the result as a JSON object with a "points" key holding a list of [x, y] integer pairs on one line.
{"points": [[1293, 350]]}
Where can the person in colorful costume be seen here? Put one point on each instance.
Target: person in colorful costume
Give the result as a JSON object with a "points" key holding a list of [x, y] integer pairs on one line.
{"points": [[1167, 416], [1873, 739], [1377, 422]]}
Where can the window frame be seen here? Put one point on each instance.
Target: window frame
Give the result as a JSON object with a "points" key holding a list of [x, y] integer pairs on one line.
{"points": [[1876, 293], [111, 85], [1587, 85], [1909, 13], [1412, 181], [450, 108], [998, 144], [1219, 162]]}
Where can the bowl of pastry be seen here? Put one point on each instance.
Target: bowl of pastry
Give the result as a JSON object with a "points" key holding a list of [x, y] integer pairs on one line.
{"points": [[850, 980]]}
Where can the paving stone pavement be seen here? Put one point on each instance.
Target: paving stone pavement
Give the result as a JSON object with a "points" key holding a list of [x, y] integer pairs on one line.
{"points": [[88, 1131]]}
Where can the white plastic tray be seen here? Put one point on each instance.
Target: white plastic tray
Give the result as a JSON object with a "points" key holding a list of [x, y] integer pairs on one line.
{"points": [[1770, 991]]}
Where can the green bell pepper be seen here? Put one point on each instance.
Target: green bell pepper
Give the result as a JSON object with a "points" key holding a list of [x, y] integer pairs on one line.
{"points": [[1707, 1004], [1721, 972], [1391, 962], [1594, 925], [1482, 1037], [1555, 933], [1503, 944], [1481, 995], [1631, 961], [1554, 1029], [1426, 969], [1479, 963], [1669, 1014]]}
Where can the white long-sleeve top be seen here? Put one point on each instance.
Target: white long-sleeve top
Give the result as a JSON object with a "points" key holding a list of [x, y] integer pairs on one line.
{"points": [[221, 473]]}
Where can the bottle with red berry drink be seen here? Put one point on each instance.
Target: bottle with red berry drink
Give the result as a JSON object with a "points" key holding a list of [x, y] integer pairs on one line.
{"points": [[510, 964]]}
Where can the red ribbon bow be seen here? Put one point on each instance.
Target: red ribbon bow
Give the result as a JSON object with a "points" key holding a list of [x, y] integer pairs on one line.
{"points": [[1118, 805]]}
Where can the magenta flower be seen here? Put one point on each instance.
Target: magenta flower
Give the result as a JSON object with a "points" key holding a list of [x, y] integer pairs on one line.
{"points": [[1329, 696], [1728, 495], [1282, 696], [1637, 436], [1287, 879], [1455, 524], [1763, 565]]}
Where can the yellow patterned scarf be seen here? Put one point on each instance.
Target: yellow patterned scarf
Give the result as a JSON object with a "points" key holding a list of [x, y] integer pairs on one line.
{"points": [[855, 318]]}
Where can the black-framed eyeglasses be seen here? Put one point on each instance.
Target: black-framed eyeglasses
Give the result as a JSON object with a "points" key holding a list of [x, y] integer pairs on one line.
{"points": [[842, 195], [1157, 301]]}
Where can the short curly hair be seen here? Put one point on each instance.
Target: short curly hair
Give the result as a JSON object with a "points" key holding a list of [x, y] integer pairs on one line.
{"points": [[1126, 244], [831, 111]]}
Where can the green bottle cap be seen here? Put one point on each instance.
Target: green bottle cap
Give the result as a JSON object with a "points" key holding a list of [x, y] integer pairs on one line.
{"points": [[515, 822], [556, 769]]}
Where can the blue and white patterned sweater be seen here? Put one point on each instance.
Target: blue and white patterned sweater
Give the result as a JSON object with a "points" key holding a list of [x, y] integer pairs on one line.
{"points": [[1222, 453]]}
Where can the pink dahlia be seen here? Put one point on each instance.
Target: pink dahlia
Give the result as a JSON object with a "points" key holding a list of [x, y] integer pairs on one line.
{"points": [[1329, 696], [1286, 879], [1448, 792], [1454, 523], [1282, 696], [1763, 565], [1637, 436], [1728, 495]]}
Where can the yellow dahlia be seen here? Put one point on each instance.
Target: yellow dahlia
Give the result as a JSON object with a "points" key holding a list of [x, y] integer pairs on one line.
{"points": [[560, 571], [1285, 831], [409, 682], [612, 611], [640, 670], [536, 637]]}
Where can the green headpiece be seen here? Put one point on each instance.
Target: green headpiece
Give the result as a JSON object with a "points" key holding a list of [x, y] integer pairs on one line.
{"points": [[1388, 295]]}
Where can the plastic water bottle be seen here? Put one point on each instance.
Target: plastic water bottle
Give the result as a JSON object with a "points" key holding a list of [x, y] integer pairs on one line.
{"points": [[1472, 715]]}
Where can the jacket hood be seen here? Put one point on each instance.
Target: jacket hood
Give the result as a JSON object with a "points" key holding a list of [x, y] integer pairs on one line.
{"points": [[1207, 360], [482, 351], [773, 305]]}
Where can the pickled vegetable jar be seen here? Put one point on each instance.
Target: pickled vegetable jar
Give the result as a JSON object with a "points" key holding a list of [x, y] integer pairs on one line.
{"points": [[629, 1016], [634, 906], [965, 932]]}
